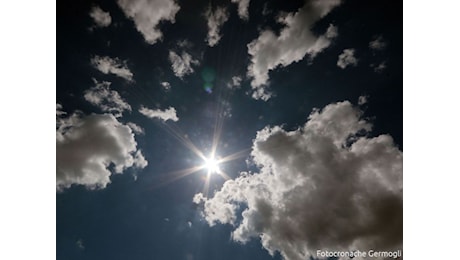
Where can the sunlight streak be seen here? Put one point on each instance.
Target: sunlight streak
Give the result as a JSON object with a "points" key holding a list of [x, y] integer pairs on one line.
{"points": [[210, 164], [174, 176], [182, 138], [234, 156]]}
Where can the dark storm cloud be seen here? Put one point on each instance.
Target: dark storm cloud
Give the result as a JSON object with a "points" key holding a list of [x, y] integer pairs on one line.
{"points": [[88, 146], [321, 186], [148, 14], [293, 43]]}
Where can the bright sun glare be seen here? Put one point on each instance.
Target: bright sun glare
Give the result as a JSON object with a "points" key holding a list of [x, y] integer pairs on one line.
{"points": [[212, 165]]}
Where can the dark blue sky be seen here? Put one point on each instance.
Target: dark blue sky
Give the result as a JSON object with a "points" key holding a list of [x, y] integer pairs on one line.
{"points": [[144, 213]]}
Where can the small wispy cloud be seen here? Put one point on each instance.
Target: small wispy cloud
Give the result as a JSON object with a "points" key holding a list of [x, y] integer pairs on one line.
{"points": [[100, 17], [216, 18], [106, 99], [380, 67], [347, 58], [147, 15], [136, 128], [166, 85], [165, 115], [182, 64], [378, 44], [332, 31], [108, 65], [362, 100], [235, 83], [243, 6]]}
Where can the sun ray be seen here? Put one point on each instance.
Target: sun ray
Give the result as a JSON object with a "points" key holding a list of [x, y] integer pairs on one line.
{"points": [[210, 162], [174, 176], [224, 175], [182, 138], [234, 156], [206, 185]]}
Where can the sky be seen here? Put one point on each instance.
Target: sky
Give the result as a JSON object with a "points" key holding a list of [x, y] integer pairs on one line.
{"points": [[228, 129]]}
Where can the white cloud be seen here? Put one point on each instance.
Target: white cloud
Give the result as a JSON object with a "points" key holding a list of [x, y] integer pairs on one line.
{"points": [[347, 58], [182, 65], [136, 128], [243, 6], [379, 68], [323, 186], [167, 114], [215, 21], [114, 66], [184, 43], [235, 83], [332, 31], [106, 99], [265, 10], [87, 147], [294, 42], [101, 18], [147, 15], [362, 100], [59, 111], [80, 244], [166, 86], [377, 44]]}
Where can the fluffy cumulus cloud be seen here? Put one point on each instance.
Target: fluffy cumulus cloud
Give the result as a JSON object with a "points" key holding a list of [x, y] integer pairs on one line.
{"points": [[182, 64], [101, 18], [167, 114], [326, 185], [243, 6], [377, 44], [347, 58], [215, 20], [114, 66], [147, 15], [294, 42], [89, 149], [106, 99]]}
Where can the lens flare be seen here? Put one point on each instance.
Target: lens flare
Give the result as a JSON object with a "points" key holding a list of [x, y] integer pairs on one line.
{"points": [[208, 75], [212, 165]]}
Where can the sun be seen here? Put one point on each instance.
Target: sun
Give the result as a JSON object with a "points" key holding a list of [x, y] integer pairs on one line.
{"points": [[212, 165]]}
